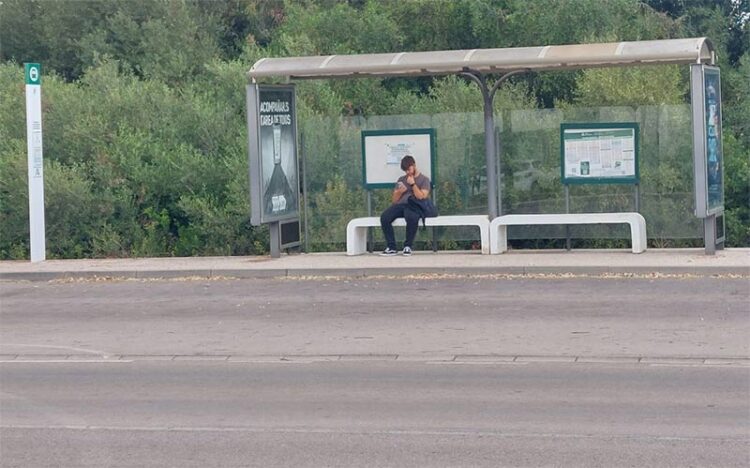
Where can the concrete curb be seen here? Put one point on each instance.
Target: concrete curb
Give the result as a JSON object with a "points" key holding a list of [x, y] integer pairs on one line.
{"points": [[458, 359], [702, 271]]}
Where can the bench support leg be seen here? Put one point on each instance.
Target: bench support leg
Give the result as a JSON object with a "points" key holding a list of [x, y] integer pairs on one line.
{"points": [[498, 240], [638, 236], [356, 240], [484, 239]]}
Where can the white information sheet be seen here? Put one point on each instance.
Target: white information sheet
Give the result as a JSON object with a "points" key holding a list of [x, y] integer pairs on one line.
{"points": [[383, 153], [599, 153]]}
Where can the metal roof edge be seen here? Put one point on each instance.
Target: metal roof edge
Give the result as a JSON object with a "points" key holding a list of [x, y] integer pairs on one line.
{"points": [[550, 57]]}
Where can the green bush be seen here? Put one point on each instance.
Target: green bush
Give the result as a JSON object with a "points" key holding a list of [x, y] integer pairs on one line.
{"points": [[145, 138]]}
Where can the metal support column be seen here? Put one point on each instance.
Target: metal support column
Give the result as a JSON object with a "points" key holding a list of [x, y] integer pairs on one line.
{"points": [[567, 210], [721, 231], [709, 234], [274, 229], [370, 240], [494, 200], [306, 194], [433, 195], [637, 198]]}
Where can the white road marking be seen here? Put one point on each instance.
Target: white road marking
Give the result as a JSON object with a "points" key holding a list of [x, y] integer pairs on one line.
{"points": [[249, 361], [282, 360], [66, 361], [81, 350], [480, 363], [392, 432]]}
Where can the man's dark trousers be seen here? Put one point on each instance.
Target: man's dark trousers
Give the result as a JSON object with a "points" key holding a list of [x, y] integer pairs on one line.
{"points": [[400, 210]]}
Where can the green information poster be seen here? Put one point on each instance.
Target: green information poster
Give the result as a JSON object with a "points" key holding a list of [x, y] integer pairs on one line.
{"points": [[599, 153]]}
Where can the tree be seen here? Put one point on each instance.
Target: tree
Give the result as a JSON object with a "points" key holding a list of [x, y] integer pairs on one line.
{"points": [[724, 21], [144, 111], [48, 32]]}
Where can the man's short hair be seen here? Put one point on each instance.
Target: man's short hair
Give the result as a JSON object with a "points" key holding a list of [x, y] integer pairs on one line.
{"points": [[407, 162]]}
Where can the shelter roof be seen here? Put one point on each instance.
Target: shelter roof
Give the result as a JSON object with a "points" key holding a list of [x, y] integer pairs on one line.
{"points": [[551, 57]]}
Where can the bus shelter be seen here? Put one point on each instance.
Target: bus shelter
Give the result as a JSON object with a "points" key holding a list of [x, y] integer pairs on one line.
{"points": [[482, 65]]}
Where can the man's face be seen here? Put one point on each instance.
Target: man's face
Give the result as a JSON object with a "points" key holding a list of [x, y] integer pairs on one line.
{"points": [[411, 170]]}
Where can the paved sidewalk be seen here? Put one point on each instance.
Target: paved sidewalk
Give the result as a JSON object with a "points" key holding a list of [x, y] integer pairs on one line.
{"points": [[582, 262]]}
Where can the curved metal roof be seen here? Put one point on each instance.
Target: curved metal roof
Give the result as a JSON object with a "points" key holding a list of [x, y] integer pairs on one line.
{"points": [[668, 51]]}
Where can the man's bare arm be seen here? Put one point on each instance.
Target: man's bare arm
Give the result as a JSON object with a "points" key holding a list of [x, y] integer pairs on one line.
{"points": [[421, 194]]}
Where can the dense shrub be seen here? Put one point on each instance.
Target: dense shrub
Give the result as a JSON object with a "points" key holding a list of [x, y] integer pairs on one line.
{"points": [[144, 114]]}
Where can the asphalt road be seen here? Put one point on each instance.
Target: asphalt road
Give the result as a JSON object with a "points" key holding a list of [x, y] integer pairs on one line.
{"points": [[170, 373], [699, 317], [191, 414]]}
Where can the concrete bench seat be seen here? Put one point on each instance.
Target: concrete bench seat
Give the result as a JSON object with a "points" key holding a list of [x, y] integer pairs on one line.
{"points": [[499, 226], [356, 230]]}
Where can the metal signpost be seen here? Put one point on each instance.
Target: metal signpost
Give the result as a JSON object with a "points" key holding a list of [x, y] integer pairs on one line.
{"points": [[33, 77], [272, 152], [708, 164], [599, 153]]}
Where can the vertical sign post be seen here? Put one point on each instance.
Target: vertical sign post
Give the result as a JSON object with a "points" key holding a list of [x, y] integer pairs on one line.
{"points": [[33, 76]]}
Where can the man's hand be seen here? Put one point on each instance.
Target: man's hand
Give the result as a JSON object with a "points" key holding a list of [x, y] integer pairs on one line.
{"points": [[410, 180], [398, 192]]}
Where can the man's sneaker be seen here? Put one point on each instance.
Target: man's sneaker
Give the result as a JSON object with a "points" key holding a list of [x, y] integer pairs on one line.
{"points": [[388, 252], [407, 251]]}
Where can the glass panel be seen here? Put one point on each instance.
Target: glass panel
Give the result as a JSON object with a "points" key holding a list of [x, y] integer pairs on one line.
{"points": [[530, 181]]}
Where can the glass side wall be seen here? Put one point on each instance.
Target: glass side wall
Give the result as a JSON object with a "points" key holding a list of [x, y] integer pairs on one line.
{"points": [[529, 151]]}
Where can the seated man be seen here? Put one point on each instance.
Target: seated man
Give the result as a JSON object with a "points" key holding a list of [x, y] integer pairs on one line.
{"points": [[412, 184]]}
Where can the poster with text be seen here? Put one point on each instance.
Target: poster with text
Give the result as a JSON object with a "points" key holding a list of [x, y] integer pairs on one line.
{"points": [[382, 151], [273, 167], [599, 153]]}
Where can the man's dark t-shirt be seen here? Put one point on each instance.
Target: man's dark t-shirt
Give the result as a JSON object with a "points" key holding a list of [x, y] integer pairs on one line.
{"points": [[422, 181]]}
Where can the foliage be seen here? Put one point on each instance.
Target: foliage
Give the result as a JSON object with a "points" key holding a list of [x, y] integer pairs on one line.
{"points": [[630, 86], [737, 191], [134, 168], [144, 113]]}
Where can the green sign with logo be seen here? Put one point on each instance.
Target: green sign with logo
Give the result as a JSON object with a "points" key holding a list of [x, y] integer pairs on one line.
{"points": [[33, 73]]}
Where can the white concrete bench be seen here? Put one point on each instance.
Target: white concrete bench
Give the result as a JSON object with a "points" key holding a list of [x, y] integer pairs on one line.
{"points": [[356, 230], [499, 226]]}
